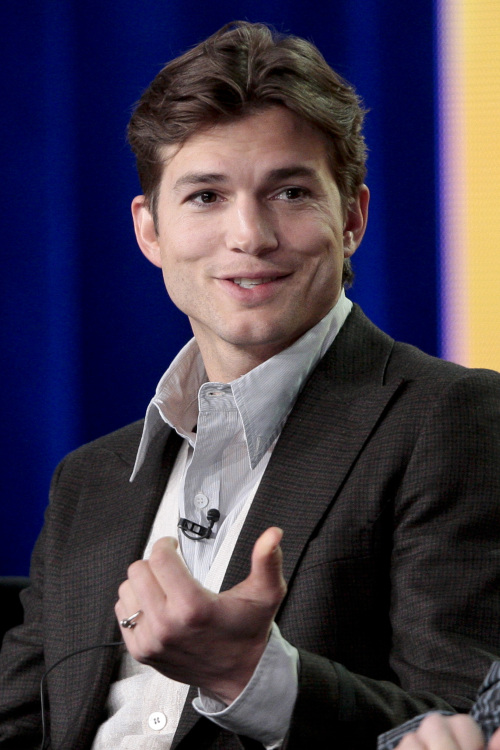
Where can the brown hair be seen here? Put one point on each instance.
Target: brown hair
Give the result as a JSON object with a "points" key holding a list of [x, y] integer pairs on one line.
{"points": [[240, 70]]}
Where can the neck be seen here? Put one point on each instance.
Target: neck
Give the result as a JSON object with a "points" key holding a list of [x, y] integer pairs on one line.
{"points": [[228, 363]]}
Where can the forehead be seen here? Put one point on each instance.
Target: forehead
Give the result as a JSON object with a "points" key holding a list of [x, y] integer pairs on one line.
{"points": [[268, 139]]}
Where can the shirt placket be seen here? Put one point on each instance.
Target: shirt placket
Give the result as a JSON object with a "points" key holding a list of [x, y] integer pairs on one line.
{"points": [[216, 428]]}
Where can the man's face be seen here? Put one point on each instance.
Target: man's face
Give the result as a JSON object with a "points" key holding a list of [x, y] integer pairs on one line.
{"points": [[251, 233]]}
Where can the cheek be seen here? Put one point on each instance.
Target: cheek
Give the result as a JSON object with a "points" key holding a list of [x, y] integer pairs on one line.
{"points": [[322, 253], [316, 235], [191, 238], [181, 288], [181, 242], [323, 257], [175, 270], [183, 269]]}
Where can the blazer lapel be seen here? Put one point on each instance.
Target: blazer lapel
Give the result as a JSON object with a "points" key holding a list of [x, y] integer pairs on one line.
{"points": [[327, 429]]}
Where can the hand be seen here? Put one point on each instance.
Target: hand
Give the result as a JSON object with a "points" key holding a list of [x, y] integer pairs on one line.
{"points": [[211, 641], [437, 732]]}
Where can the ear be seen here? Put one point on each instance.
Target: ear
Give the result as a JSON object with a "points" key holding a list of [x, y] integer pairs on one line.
{"points": [[355, 221], [145, 231]]}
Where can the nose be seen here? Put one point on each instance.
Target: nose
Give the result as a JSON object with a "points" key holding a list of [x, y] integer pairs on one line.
{"points": [[251, 227]]}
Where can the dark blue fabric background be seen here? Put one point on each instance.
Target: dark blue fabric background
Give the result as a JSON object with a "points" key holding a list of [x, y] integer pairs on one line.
{"points": [[87, 328]]}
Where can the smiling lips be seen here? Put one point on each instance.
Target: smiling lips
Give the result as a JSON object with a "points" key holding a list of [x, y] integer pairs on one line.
{"points": [[249, 283]]}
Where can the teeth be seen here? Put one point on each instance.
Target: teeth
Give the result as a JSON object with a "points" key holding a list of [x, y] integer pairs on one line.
{"points": [[249, 283]]}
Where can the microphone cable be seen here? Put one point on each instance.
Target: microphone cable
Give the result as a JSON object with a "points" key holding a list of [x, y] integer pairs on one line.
{"points": [[113, 644]]}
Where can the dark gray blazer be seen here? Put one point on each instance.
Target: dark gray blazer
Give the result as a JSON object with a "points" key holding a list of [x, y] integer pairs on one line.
{"points": [[386, 481]]}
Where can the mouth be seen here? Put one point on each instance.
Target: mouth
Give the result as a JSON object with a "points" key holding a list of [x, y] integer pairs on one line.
{"points": [[250, 283]]}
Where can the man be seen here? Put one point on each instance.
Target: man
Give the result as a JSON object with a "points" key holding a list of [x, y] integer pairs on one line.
{"points": [[458, 732], [358, 475]]}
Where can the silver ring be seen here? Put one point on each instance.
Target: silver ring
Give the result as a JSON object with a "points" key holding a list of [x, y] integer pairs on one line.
{"points": [[131, 622]]}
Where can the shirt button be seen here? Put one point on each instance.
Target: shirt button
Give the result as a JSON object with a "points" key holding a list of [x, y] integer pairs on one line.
{"points": [[200, 500], [157, 720]]}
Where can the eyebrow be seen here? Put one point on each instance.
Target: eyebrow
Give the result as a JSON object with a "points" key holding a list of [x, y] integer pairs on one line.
{"points": [[274, 175], [199, 178], [295, 170]]}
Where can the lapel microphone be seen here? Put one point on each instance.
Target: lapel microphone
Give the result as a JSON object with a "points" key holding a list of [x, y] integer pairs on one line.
{"points": [[194, 531]]}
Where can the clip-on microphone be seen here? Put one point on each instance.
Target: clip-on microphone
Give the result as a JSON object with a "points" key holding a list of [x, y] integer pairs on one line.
{"points": [[190, 528]]}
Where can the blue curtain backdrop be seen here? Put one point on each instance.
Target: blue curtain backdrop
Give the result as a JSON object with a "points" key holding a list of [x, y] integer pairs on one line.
{"points": [[87, 328]]}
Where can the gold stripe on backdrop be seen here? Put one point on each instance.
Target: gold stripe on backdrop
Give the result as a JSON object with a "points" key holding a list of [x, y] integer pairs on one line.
{"points": [[470, 180], [482, 118]]}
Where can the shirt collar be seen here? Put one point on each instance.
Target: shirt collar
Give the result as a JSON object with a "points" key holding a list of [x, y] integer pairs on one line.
{"points": [[264, 396]]}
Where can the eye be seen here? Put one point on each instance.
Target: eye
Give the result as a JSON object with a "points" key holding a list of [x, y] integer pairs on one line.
{"points": [[291, 194], [204, 197]]}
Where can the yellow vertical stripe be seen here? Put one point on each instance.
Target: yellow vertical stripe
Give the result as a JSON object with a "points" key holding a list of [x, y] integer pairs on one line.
{"points": [[470, 90], [482, 142]]}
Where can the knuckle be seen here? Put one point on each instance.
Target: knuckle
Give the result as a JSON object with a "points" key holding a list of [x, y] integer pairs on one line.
{"points": [[282, 591], [433, 720], [122, 589], [160, 548], [193, 616], [273, 597], [193, 613], [156, 558], [134, 569]]}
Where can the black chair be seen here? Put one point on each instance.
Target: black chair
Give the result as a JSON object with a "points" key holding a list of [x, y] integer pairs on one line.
{"points": [[10, 605]]}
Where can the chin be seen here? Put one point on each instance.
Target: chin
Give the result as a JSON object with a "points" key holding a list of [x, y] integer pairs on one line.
{"points": [[271, 338]]}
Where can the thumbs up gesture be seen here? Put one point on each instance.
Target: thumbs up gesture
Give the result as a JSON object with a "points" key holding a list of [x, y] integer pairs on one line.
{"points": [[211, 641]]}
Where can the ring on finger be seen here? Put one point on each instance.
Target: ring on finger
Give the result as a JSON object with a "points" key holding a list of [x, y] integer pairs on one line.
{"points": [[131, 622]]}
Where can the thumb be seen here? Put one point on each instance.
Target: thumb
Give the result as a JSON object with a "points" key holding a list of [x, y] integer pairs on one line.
{"points": [[266, 575]]}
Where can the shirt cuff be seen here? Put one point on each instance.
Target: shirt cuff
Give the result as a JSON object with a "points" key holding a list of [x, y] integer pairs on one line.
{"points": [[263, 710]]}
